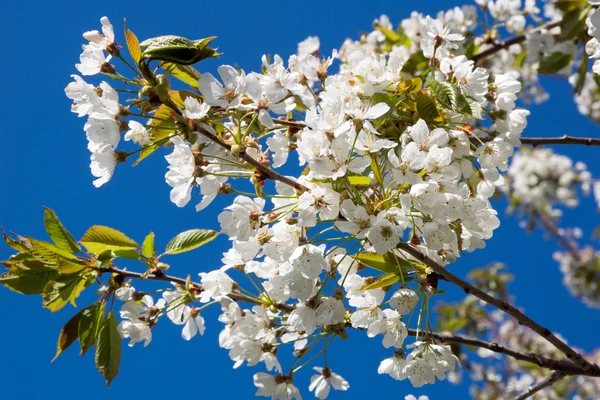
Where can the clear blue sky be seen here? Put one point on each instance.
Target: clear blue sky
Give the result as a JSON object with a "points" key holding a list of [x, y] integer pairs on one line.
{"points": [[44, 161]]}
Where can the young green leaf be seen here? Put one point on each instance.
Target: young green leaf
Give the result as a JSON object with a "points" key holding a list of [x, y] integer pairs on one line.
{"points": [[89, 325], [108, 348], [444, 93], [359, 180], [427, 108], [63, 290], [68, 335], [133, 45], [384, 263], [49, 253], [30, 281], [148, 249], [69, 267], [58, 233], [101, 238], [185, 73], [554, 62], [381, 282], [190, 240]]}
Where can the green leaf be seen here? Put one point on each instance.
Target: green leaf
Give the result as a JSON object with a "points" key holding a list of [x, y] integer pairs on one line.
{"points": [[18, 245], [359, 180], [108, 348], [408, 86], [58, 233], [130, 254], [381, 282], [148, 249], [581, 73], [572, 24], [554, 62], [133, 45], [178, 50], [101, 238], [69, 267], [63, 290], [427, 108], [68, 335], [89, 325], [185, 73], [568, 5], [385, 263], [30, 281], [466, 105], [190, 240], [49, 253], [444, 92]]}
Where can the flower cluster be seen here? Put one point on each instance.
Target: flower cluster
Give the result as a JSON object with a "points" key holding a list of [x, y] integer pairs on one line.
{"points": [[405, 144], [544, 179], [580, 274]]}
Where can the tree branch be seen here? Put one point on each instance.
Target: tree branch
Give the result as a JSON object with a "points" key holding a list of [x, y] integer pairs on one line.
{"points": [[181, 281], [567, 367], [565, 139], [244, 156], [504, 306], [544, 383], [272, 174], [509, 42], [564, 241]]}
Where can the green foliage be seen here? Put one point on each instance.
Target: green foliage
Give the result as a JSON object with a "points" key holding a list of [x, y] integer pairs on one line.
{"points": [[427, 108], [444, 92], [58, 233], [185, 73], [64, 289], [28, 281], [108, 348], [99, 239], [89, 325], [359, 180], [133, 45], [190, 240], [554, 62], [388, 263], [68, 334], [148, 249], [382, 281], [178, 50], [572, 25]]}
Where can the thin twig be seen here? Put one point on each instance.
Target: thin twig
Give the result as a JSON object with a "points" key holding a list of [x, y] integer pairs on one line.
{"points": [[567, 367], [544, 383], [509, 42], [523, 319], [565, 139], [564, 241], [243, 155], [272, 174], [181, 281]]}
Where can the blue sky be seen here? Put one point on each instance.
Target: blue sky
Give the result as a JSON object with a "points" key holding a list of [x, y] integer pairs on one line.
{"points": [[44, 161]]}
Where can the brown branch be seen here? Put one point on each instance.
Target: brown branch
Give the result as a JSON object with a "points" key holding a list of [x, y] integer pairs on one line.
{"points": [[509, 42], [523, 319], [244, 156], [565, 139], [181, 281], [544, 383], [272, 174], [567, 367]]}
